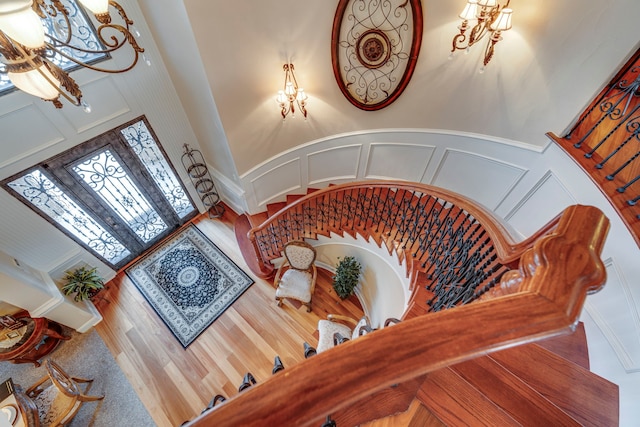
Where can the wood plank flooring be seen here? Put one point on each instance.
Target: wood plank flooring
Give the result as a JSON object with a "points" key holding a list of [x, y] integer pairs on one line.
{"points": [[175, 384]]}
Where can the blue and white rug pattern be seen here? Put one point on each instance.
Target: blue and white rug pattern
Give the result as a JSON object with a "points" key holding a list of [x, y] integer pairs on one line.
{"points": [[189, 282]]}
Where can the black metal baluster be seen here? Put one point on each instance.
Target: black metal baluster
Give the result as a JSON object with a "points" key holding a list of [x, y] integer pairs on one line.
{"points": [[432, 225], [400, 226], [612, 175], [422, 219], [612, 112], [627, 120]]}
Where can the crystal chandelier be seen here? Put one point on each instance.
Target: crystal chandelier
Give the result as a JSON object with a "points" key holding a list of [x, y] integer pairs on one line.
{"points": [[490, 17], [35, 35], [291, 94]]}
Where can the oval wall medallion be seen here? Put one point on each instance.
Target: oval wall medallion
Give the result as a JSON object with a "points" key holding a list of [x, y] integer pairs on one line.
{"points": [[374, 49]]}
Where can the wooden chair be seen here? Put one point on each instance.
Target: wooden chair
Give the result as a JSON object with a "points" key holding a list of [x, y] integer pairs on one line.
{"points": [[296, 276], [58, 396]]}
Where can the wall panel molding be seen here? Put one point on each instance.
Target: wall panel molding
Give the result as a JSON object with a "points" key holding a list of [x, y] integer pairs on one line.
{"points": [[276, 182], [410, 161], [622, 330], [334, 164], [470, 173], [532, 212]]}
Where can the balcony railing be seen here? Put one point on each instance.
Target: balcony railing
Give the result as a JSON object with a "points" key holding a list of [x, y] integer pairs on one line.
{"points": [[605, 142]]}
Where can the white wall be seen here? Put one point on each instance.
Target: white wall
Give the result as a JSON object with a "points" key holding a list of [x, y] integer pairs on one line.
{"points": [[525, 185], [544, 72]]}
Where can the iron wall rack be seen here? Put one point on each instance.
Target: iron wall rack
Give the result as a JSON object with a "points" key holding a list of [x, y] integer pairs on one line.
{"points": [[196, 168]]}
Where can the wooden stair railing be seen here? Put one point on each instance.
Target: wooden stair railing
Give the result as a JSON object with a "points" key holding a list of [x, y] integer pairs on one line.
{"points": [[604, 142], [459, 249], [541, 297]]}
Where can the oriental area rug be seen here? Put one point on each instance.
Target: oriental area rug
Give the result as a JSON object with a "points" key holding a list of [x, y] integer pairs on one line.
{"points": [[189, 282]]}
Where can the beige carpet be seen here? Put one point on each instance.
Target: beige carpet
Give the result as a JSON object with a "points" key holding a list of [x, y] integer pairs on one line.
{"points": [[85, 355]]}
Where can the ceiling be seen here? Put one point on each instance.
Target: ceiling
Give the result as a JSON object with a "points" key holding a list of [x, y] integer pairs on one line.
{"points": [[547, 68]]}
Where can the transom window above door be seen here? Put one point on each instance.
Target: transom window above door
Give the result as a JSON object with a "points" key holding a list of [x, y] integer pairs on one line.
{"points": [[116, 194]]}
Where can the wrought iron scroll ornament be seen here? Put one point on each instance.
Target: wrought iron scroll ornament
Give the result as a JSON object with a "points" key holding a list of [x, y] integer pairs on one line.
{"points": [[374, 49]]}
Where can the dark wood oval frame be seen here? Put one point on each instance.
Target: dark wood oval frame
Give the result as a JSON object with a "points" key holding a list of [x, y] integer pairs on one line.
{"points": [[416, 41]]}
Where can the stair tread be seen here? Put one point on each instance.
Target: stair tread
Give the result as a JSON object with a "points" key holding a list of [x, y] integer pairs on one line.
{"points": [[588, 398], [272, 208], [257, 219], [509, 392], [293, 197], [572, 347], [416, 416], [456, 403]]}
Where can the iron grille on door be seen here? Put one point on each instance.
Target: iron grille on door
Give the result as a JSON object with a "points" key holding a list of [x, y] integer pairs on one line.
{"points": [[116, 194]]}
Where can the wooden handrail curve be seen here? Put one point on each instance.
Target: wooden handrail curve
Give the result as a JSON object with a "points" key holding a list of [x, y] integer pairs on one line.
{"points": [[507, 248], [461, 248], [542, 297]]}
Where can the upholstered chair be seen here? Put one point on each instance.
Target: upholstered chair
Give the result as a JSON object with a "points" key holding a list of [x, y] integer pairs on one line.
{"points": [[296, 276], [58, 396], [337, 329]]}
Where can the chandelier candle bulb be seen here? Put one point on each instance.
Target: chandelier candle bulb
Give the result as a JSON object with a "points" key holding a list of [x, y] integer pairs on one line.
{"points": [[503, 22], [38, 82], [97, 7], [39, 41], [21, 23], [470, 11]]}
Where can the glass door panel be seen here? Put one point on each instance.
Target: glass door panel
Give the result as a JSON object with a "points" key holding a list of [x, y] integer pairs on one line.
{"points": [[104, 174], [45, 195]]}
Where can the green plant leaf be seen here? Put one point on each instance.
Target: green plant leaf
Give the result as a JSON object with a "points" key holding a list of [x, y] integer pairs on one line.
{"points": [[84, 282], [347, 276]]}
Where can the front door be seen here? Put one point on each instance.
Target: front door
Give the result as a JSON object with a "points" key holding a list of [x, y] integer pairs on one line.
{"points": [[116, 194]]}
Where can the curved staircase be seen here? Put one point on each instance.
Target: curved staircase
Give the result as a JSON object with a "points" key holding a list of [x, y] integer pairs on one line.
{"points": [[478, 364]]}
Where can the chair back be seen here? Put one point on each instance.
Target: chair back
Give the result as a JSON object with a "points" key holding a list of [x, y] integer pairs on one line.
{"points": [[61, 379], [300, 254]]}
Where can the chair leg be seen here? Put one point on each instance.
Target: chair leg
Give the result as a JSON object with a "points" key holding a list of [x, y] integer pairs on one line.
{"points": [[85, 398], [279, 301], [308, 304]]}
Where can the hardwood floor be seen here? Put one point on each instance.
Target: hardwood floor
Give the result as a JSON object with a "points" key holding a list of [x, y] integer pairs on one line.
{"points": [[175, 384]]}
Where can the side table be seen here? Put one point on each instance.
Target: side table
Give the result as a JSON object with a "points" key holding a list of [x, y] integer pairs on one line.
{"points": [[37, 338]]}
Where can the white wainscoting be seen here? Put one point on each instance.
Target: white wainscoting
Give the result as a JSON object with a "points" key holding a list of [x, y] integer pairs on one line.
{"points": [[526, 186]]}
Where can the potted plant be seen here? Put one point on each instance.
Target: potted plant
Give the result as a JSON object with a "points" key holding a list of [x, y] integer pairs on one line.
{"points": [[347, 276], [84, 282]]}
